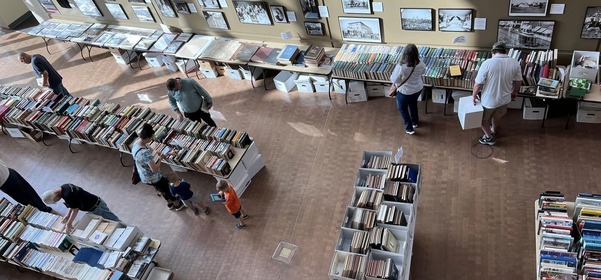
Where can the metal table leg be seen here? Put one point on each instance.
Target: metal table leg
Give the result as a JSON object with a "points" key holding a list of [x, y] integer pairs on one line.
{"points": [[545, 114], [196, 69], [89, 52], [346, 86], [446, 100], [121, 159], [252, 75], [46, 41], [81, 51], [71, 149], [44, 142], [330, 85], [186, 67]]}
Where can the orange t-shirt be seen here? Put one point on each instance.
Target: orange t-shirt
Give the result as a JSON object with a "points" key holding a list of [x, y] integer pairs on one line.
{"points": [[232, 203]]}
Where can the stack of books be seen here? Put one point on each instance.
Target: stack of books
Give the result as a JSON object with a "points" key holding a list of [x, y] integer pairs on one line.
{"points": [[313, 55], [46, 238], [370, 199], [352, 265], [399, 192], [402, 172], [288, 54], [381, 269], [377, 162], [391, 215], [370, 181], [382, 239], [360, 242], [363, 219], [548, 87], [588, 218]]}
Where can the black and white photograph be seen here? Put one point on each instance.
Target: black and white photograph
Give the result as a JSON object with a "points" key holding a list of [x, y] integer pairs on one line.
{"points": [[252, 12], [314, 28], [455, 20], [181, 7], [165, 8], [137, 1], [116, 10], [533, 8], [356, 6], [361, 29], [88, 8], [143, 13], [417, 19], [209, 4], [526, 34], [591, 28], [310, 8], [49, 6], [279, 14], [216, 20]]}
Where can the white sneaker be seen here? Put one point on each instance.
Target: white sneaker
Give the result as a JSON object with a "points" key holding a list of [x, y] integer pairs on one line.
{"points": [[410, 132]]}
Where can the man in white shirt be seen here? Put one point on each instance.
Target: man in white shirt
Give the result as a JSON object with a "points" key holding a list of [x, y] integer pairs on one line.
{"points": [[499, 79]]}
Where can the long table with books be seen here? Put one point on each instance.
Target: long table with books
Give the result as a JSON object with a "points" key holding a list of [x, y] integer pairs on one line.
{"points": [[221, 152], [377, 233]]}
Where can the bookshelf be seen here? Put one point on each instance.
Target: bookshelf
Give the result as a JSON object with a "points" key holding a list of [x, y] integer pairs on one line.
{"points": [[220, 152], [379, 224]]}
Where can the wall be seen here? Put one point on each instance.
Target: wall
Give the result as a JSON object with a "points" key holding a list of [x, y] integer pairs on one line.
{"points": [[11, 11], [566, 35]]}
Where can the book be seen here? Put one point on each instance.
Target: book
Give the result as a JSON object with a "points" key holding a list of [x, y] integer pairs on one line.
{"points": [[273, 56], [215, 197], [246, 52]]}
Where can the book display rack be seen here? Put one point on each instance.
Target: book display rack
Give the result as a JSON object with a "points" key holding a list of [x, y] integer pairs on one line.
{"points": [[376, 238], [221, 152]]}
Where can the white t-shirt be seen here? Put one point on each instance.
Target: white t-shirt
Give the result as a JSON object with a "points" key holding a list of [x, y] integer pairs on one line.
{"points": [[496, 75], [414, 83]]}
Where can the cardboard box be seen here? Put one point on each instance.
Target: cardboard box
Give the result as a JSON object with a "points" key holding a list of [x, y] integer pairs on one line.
{"points": [[439, 95], [246, 74], [321, 86], [375, 90], [186, 66], [354, 97], [470, 115], [154, 59], [220, 70], [233, 73], [339, 86], [588, 112], [284, 81], [456, 96], [206, 64], [209, 73], [304, 83], [533, 111], [122, 56], [170, 63]]}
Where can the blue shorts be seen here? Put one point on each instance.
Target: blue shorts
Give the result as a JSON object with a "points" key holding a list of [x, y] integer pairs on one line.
{"points": [[237, 214]]}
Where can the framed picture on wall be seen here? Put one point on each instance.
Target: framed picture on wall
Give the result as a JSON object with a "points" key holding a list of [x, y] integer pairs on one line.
{"points": [[181, 7], [209, 4], [88, 8], [360, 29], [49, 6], [531, 8], [314, 28], [591, 28], [457, 20], [252, 12], [356, 6], [165, 8], [143, 13], [417, 19], [279, 14], [216, 20], [310, 8], [526, 34], [137, 1], [116, 10]]}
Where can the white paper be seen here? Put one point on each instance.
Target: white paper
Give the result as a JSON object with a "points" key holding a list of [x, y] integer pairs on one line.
{"points": [[460, 40], [286, 35], [377, 6], [323, 11], [223, 3], [557, 9], [480, 24], [399, 155], [192, 8], [291, 16]]}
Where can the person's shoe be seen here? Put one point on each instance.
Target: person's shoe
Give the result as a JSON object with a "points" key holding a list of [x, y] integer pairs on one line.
{"points": [[170, 205], [196, 211], [239, 226], [207, 210], [180, 207], [415, 126], [410, 132], [245, 216], [487, 141]]}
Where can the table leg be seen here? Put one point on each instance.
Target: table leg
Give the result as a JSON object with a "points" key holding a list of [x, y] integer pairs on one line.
{"points": [[346, 85], [46, 41], [426, 101], [44, 142], [545, 114], [264, 78], [196, 69], [90, 52], [71, 149], [121, 159], [446, 100], [81, 51], [130, 60], [186, 67], [252, 75]]}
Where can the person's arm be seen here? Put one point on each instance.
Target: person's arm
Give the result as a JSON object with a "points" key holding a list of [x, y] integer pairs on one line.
{"points": [[475, 91], [394, 79], [516, 89], [173, 104], [69, 218], [203, 94], [156, 166], [45, 82]]}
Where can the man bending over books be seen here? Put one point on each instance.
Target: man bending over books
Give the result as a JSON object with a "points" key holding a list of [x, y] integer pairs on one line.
{"points": [[77, 199], [189, 99]]}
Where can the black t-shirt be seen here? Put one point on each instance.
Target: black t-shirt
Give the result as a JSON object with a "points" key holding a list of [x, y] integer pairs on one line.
{"points": [[77, 198]]}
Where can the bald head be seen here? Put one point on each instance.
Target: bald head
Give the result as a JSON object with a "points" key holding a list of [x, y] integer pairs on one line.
{"points": [[25, 58]]}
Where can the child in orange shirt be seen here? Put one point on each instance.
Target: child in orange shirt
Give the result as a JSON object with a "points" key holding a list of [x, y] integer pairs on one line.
{"points": [[232, 203]]}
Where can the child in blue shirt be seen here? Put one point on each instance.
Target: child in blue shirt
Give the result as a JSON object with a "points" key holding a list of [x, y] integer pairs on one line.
{"points": [[181, 189]]}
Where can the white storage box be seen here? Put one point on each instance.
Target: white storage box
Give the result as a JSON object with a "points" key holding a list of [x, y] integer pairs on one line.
{"points": [[15, 132], [339, 85], [375, 90], [357, 97], [233, 73], [439, 95], [588, 113], [170, 63], [470, 115], [456, 96], [304, 84], [209, 73], [319, 78], [122, 56], [284, 81], [533, 111], [185, 66], [159, 273], [321, 86], [246, 74], [154, 59], [516, 104]]}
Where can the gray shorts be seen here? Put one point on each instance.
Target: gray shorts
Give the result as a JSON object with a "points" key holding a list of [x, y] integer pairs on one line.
{"points": [[494, 113]]}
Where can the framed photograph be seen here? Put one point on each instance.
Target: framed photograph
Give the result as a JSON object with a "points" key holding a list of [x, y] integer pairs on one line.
{"points": [[165, 8], [360, 29], [88, 8], [49, 6], [314, 28], [181, 7], [310, 8], [209, 4], [458, 20], [279, 14], [533, 8], [591, 28], [116, 10], [137, 1], [417, 19], [252, 12], [143, 13], [216, 20], [526, 34], [356, 6]]}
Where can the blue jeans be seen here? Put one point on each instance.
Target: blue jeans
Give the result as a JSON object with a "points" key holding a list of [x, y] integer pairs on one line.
{"points": [[61, 90], [407, 105], [103, 210]]}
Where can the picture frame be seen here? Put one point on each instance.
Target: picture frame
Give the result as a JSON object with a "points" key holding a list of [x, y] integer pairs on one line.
{"points": [[416, 19], [456, 20], [164, 6], [49, 6], [526, 34], [216, 20], [585, 65], [279, 14], [252, 12], [360, 29], [209, 4], [310, 9], [88, 8], [181, 7], [116, 10], [314, 28], [522, 8], [356, 6], [591, 27], [143, 13], [137, 1]]}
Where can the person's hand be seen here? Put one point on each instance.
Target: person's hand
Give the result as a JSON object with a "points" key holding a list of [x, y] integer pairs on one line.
{"points": [[69, 228], [514, 96], [209, 106], [64, 220], [475, 100], [180, 117], [45, 84]]}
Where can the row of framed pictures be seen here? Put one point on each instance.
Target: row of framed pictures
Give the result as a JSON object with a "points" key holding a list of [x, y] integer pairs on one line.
{"points": [[420, 19]]}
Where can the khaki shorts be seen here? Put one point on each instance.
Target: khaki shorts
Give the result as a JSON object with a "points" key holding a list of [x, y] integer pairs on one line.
{"points": [[494, 113]]}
